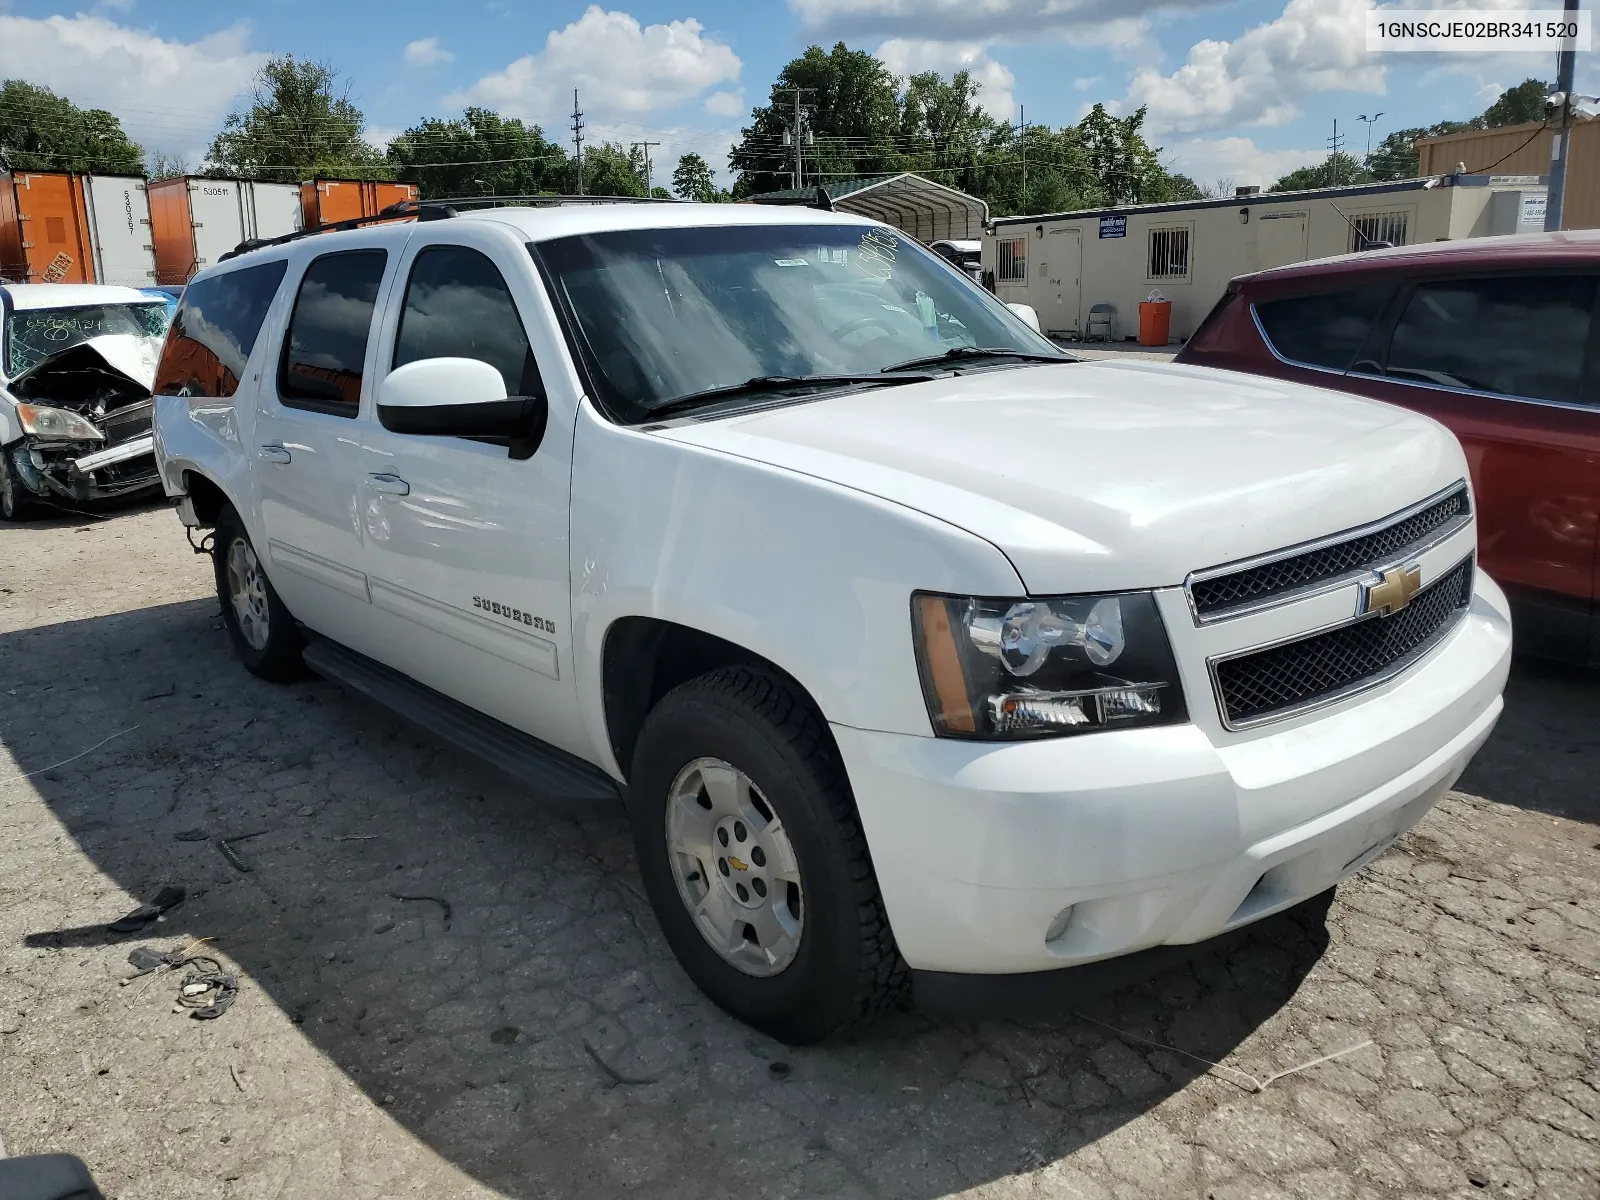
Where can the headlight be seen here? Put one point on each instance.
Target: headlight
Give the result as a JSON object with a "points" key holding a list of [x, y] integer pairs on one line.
{"points": [[1014, 669], [56, 424]]}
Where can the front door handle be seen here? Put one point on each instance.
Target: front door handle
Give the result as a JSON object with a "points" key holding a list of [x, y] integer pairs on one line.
{"points": [[389, 484], [273, 452]]}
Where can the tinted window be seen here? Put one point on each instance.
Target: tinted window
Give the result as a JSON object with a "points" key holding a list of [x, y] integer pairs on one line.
{"points": [[215, 330], [458, 306], [1517, 337], [1325, 330], [327, 343]]}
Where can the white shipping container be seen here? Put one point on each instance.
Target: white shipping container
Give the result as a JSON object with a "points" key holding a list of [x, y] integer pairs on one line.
{"points": [[119, 230], [229, 211]]}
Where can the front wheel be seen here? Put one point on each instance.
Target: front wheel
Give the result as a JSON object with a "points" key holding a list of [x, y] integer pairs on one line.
{"points": [[263, 633], [754, 858], [13, 500]]}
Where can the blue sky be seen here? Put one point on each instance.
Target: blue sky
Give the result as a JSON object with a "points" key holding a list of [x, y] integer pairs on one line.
{"points": [[1244, 90]]}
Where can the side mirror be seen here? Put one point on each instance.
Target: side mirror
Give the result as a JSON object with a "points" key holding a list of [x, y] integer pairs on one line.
{"points": [[460, 397], [1029, 317]]}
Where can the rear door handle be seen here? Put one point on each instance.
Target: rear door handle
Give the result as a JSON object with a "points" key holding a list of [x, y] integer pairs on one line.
{"points": [[272, 452], [389, 484]]}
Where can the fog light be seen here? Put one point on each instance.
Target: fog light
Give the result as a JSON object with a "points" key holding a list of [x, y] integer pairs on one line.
{"points": [[1059, 925]]}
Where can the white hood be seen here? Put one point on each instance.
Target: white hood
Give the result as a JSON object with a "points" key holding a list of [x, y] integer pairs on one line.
{"points": [[1111, 475]]}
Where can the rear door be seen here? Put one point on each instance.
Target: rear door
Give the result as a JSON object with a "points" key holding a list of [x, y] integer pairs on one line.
{"points": [[55, 239], [1508, 362], [119, 212]]}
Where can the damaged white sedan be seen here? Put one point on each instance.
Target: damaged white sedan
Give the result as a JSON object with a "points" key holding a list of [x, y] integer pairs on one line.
{"points": [[76, 364]]}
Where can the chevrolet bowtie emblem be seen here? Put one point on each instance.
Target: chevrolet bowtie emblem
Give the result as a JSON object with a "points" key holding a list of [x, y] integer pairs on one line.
{"points": [[1392, 591], [738, 864]]}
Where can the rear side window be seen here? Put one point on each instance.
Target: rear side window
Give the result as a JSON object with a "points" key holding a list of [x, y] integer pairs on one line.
{"points": [[458, 306], [1512, 336], [326, 349], [1324, 330], [215, 330]]}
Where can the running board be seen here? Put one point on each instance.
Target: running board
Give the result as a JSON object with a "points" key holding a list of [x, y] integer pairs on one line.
{"points": [[552, 772]]}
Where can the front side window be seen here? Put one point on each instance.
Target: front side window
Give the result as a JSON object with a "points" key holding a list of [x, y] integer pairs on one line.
{"points": [[215, 330], [1324, 330], [458, 306], [662, 316], [34, 334], [326, 349], [1508, 335]]}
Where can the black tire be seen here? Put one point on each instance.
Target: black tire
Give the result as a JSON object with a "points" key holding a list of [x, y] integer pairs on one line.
{"points": [[14, 503], [847, 968], [279, 658]]}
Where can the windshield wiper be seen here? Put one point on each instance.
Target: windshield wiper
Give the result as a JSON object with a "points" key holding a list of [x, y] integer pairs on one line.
{"points": [[775, 383], [957, 353]]}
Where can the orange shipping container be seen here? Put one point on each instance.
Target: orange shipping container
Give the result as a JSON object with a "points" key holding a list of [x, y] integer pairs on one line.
{"points": [[329, 201], [44, 228], [196, 220]]}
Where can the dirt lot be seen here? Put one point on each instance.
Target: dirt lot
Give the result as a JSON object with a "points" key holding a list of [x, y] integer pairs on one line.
{"points": [[522, 1031]]}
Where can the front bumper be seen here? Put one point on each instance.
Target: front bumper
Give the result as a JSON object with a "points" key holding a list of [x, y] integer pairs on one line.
{"points": [[84, 471], [1026, 857]]}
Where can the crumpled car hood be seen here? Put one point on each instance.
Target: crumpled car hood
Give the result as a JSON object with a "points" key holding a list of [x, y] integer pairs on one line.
{"points": [[115, 365]]}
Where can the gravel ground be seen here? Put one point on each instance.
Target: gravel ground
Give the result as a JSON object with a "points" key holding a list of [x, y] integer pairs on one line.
{"points": [[447, 991]]}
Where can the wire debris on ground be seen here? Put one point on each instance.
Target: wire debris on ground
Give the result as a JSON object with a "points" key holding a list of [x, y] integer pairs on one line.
{"points": [[443, 904], [206, 991], [1256, 1085], [617, 1078], [73, 759]]}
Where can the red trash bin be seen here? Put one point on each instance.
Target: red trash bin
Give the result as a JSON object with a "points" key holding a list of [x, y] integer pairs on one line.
{"points": [[1155, 322]]}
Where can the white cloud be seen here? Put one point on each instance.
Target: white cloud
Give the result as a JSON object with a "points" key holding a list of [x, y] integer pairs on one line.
{"points": [[725, 104], [381, 135], [905, 58], [1084, 22], [620, 65], [673, 142], [170, 95], [1206, 160], [426, 52], [1083, 85]]}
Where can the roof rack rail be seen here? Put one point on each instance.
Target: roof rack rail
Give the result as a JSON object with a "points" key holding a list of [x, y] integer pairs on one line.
{"points": [[817, 199], [429, 211]]}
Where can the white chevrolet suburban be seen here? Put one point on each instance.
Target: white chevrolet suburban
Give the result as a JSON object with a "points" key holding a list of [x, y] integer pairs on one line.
{"points": [[922, 654]]}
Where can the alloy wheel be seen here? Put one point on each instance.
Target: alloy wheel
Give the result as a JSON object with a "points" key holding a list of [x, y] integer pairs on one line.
{"points": [[247, 591]]}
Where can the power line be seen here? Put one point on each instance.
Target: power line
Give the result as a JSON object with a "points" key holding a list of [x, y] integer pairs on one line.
{"points": [[646, 145]]}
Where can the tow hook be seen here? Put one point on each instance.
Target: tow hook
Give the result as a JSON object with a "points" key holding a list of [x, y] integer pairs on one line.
{"points": [[205, 545]]}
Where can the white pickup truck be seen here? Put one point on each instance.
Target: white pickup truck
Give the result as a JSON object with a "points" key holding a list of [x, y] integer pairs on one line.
{"points": [[921, 653]]}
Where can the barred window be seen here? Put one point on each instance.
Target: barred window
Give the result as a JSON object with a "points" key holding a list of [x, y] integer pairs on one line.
{"points": [[1370, 229], [1012, 266], [1169, 253]]}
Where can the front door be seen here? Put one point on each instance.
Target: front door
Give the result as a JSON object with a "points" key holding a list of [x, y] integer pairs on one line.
{"points": [[467, 546], [1280, 239], [307, 446], [1501, 360], [1060, 264]]}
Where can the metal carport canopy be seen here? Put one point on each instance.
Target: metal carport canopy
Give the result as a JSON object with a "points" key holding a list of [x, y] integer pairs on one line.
{"points": [[928, 211]]}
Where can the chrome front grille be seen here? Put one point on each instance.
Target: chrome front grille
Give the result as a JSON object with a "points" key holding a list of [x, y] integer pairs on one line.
{"points": [[1277, 681], [1239, 588]]}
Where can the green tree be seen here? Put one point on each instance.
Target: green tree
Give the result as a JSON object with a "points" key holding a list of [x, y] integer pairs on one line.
{"points": [[852, 116], [300, 123], [1334, 171], [1125, 167], [41, 131], [943, 130], [1518, 105], [692, 180], [479, 153], [610, 170]]}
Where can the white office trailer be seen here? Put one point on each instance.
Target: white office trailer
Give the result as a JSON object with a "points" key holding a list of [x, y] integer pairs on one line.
{"points": [[1067, 264]]}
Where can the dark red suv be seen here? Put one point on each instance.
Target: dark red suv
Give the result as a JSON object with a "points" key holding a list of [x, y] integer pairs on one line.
{"points": [[1493, 337]]}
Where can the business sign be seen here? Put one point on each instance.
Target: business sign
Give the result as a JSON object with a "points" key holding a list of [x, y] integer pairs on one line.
{"points": [[1530, 214], [1113, 227]]}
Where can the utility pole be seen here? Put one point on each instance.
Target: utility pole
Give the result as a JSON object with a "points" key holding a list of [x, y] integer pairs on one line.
{"points": [[646, 146], [1023, 126], [1335, 144], [577, 138], [795, 137], [1566, 68]]}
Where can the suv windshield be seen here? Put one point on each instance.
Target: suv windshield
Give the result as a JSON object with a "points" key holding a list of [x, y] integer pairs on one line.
{"points": [[664, 314], [37, 333]]}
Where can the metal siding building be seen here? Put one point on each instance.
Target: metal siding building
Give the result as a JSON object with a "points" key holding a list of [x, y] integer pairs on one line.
{"points": [[1525, 150], [1065, 263]]}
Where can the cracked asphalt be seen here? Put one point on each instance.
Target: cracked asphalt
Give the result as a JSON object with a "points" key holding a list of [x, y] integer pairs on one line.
{"points": [[448, 990]]}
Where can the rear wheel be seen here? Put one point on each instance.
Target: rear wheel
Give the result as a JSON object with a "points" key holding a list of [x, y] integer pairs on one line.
{"points": [[754, 858], [13, 499], [263, 633]]}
